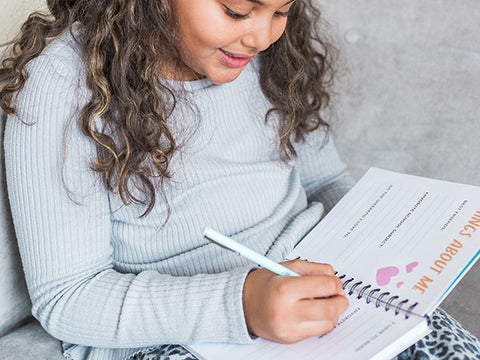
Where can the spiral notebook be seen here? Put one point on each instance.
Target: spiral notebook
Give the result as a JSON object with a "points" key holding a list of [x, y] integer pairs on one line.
{"points": [[400, 243]]}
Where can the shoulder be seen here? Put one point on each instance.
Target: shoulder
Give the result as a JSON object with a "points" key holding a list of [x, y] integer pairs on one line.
{"points": [[56, 76], [62, 56]]}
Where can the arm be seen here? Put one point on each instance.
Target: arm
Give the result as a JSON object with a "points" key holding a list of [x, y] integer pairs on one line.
{"points": [[66, 248], [324, 176]]}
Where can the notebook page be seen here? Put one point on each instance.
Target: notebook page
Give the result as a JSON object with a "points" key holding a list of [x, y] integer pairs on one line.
{"points": [[362, 332], [410, 236]]}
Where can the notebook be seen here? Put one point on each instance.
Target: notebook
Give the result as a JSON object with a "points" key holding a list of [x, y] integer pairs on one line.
{"points": [[400, 243]]}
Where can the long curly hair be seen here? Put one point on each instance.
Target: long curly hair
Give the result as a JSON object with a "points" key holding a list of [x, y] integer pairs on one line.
{"points": [[121, 42]]}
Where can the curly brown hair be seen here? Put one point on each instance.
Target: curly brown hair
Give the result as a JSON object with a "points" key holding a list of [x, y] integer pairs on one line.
{"points": [[121, 42]]}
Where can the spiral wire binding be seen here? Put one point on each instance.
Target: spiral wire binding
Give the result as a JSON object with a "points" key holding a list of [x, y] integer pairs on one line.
{"points": [[384, 299]]}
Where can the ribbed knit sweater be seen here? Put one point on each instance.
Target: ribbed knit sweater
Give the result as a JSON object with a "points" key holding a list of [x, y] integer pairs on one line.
{"points": [[106, 281]]}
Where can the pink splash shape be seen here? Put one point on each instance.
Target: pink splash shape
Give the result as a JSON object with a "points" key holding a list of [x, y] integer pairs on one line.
{"points": [[385, 274], [399, 284], [411, 266]]}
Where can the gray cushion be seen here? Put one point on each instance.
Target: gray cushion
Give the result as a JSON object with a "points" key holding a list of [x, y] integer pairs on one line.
{"points": [[14, 301], [30, 342]]}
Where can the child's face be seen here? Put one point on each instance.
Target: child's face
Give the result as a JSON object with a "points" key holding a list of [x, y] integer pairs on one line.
{"points": [[218, 37]]}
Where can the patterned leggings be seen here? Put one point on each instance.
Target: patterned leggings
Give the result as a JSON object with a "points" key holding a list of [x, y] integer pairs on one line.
{"points": [[448, 341]]}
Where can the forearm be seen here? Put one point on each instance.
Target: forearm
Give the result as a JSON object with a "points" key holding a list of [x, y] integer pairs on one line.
{"points": [[110, 309]]}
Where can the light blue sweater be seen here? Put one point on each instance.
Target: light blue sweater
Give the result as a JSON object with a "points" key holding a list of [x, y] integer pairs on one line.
{"points": [[103, 278]]}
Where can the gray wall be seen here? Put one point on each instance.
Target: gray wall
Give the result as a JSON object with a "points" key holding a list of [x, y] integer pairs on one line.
{"points": [[13, 13]]}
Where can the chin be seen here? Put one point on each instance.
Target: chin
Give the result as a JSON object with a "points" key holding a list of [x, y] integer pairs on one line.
{"points": [[223, 77]]}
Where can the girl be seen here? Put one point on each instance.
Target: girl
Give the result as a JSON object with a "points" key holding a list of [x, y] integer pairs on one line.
{"points": [[138, 124]]}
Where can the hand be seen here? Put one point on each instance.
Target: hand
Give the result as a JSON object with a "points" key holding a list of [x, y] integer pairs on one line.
{"points": [[288, 309]]}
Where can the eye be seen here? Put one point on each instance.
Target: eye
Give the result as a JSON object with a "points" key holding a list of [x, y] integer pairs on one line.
{"points": [[235, 15], [284, 14]]}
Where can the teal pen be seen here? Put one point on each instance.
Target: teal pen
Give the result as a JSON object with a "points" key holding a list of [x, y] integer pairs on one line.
{"points": [[229, 244]]}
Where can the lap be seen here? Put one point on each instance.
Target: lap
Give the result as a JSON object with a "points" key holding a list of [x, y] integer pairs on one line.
{"points": [[448, 340], [164, 352]]}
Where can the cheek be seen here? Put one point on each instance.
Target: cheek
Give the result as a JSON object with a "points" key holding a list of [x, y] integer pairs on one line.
{"points": [[205, 33], [278, 30]]}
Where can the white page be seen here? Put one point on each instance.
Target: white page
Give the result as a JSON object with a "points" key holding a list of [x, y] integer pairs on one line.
{"points": [[401, 223]]}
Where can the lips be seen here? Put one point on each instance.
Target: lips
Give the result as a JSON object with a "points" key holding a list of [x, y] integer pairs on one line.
{"points": [[232, 60], [235, 56]]}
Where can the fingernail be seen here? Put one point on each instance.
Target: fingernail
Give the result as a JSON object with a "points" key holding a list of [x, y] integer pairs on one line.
{"points": [[343, 293]]}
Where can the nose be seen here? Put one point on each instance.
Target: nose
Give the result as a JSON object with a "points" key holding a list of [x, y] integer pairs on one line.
{"points": [[259, 36]]}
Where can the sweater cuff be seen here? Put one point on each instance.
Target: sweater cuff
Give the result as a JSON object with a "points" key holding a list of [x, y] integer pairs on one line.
{"points": [[238, 331]]}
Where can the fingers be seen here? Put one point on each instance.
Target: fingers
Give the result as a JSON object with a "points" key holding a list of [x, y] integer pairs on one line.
{"points": [[319, 316], [303, 267], [314, 317], [317, 280], [320, 286], [317, 310]]}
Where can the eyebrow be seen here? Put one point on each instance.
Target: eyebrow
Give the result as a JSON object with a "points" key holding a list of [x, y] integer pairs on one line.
{"points": [[261, 3]]}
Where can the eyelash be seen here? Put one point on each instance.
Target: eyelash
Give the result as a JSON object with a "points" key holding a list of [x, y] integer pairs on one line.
{"points": [[238, 16], [235, 15]]}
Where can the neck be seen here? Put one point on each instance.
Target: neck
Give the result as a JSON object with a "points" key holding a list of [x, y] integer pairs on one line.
{"points": [[177, 71]]}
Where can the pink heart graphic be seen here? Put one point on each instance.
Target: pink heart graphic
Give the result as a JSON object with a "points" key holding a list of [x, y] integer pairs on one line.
{"points": [[399, 284], [411, 266], [385, 274]]}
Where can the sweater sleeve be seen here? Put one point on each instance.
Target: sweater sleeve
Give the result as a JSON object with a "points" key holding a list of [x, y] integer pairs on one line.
{"points": [[323, 174], [63, 224]]}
